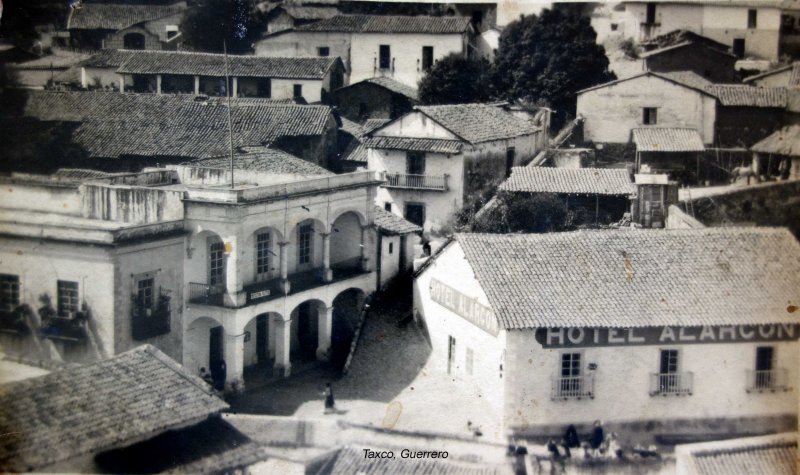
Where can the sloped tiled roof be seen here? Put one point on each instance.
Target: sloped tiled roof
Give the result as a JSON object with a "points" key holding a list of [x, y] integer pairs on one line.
{"points": [[675, 38], [209, 64], [390, 24], [353, 128], [601, 181], [794, 75], [113, 16], [748, 96], [667, 139], [107, 58], [773, 454], [372, 124], [709, 276], [687, 78], [351, 460], [390, 223], [98, 406], [113, 124], [356, 151], [414, 144], [395, 86], [306, 12], [478, 123], [262, 159], [785, 141]]}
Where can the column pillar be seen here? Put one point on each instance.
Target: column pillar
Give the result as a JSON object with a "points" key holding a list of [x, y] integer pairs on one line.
{"points": [[121, 83], [234, 295], [234, 361], [327, 273], [365, 248], [235, 87], [324, 331], [197, 85], [285, 284], [158, 84], [283, 341]]}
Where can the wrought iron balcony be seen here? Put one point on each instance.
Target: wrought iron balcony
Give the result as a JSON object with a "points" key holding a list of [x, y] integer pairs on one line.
{"points": [[671, 384], [206, 294], [417, 182], [148, 322], [572, 387], [67, 326], [768, 381]]}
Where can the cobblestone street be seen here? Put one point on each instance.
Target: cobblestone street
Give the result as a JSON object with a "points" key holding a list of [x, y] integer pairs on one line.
{"points": [[391, 365]]}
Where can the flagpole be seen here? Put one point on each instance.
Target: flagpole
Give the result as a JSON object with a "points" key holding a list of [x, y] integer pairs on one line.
{"points": [[228, 93]]}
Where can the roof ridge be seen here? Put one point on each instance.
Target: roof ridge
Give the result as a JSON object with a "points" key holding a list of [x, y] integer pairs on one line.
{"points": [[174, 367]]}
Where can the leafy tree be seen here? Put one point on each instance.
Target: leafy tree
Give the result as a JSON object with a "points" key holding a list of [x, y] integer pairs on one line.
{"points": [[532, 213], [546, 59], [456, 80], [212, 22]]}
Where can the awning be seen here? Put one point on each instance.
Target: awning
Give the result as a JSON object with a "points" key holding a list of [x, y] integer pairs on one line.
{"points": [[667, 139]]}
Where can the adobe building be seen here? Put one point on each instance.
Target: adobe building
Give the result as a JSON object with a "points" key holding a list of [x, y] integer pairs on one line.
{"points": [[680, 331], [683, 50], [438, 159]]}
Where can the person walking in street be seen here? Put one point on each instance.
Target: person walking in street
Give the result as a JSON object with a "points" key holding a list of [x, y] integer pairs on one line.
{"points": [[330, 403]]}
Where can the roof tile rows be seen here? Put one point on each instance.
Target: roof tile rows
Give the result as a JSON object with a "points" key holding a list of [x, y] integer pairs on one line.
{"points": [[262, 159], [785, 141], [606, 181], [113, 124], [667, 139], [390, 223], [414, 144], [748, 96], [775, 454], [638, 278], [395, 86], [478, 123], [112, 16], [680, 37], [209, 64], [389, 24], [98, 406]]}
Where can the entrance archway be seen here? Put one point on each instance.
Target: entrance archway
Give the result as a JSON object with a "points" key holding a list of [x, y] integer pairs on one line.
{"points": [[305, 330], [346, 310], [259, 347], [203, 344]]}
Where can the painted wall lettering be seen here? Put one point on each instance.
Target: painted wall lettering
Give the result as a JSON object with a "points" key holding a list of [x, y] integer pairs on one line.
{"points": [[579, 337], [467, 307]]}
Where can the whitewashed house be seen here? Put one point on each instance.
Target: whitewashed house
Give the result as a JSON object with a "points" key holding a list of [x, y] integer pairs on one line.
{"points": [[437, 159], [399, 47]]}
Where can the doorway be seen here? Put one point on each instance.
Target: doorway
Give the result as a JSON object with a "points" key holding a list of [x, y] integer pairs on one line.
{"points": [[262, 337]]}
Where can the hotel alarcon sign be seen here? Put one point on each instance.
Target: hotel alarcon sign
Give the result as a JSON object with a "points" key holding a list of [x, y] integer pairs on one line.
{"points": [[665, 335], [465, 306]]}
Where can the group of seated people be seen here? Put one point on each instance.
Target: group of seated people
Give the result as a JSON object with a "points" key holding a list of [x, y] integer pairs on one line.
{"points": [[597, 446]]}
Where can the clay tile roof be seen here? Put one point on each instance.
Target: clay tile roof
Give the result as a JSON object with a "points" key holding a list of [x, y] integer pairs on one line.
{"points": [[390, 223], [687, 78], [680, 38], [477, 123], [389, 24], [209, 64], [372, 124], [353, 128], [414, 144], [113, 125], [395, 86], [86, 409], [601, 181], [305, 12], [262, 159], [351, 460], [794, 79], [785, 141], [107, 58], [679, 277], [112, 16], [356, 151], [748, 96], [774, 454], [667, 139]]}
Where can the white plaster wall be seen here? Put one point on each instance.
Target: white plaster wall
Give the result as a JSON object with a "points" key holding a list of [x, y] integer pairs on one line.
{"points": [[390, 258], [622, 383], [415, 124], [406, 54], [284, 89], [35, 197], [41, 264], [612, 111], [107, 77], [452, 269]]}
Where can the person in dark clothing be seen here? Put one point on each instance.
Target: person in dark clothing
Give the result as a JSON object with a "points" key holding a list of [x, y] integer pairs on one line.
{"points": [[330, 404], [597, 437], [571, 440], [219, 372]]}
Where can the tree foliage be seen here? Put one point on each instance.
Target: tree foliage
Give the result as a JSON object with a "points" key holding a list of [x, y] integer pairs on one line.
{"points": [[456, 80], [546, 59], [20, 19], [536, 213], [212, 22]]}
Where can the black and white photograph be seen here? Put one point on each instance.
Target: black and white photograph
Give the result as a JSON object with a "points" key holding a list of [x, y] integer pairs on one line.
{"points": [[400, 237]]}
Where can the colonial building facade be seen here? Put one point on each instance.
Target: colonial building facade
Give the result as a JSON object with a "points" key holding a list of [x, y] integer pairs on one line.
{"points": [[658, 336]]}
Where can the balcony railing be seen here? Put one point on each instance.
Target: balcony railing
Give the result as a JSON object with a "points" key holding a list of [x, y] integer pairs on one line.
{"points": [[148, 322], [769, 380], [671, 384], [417, 182], [648, 30], [69, 326], [206, 294], [572, 387]]}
